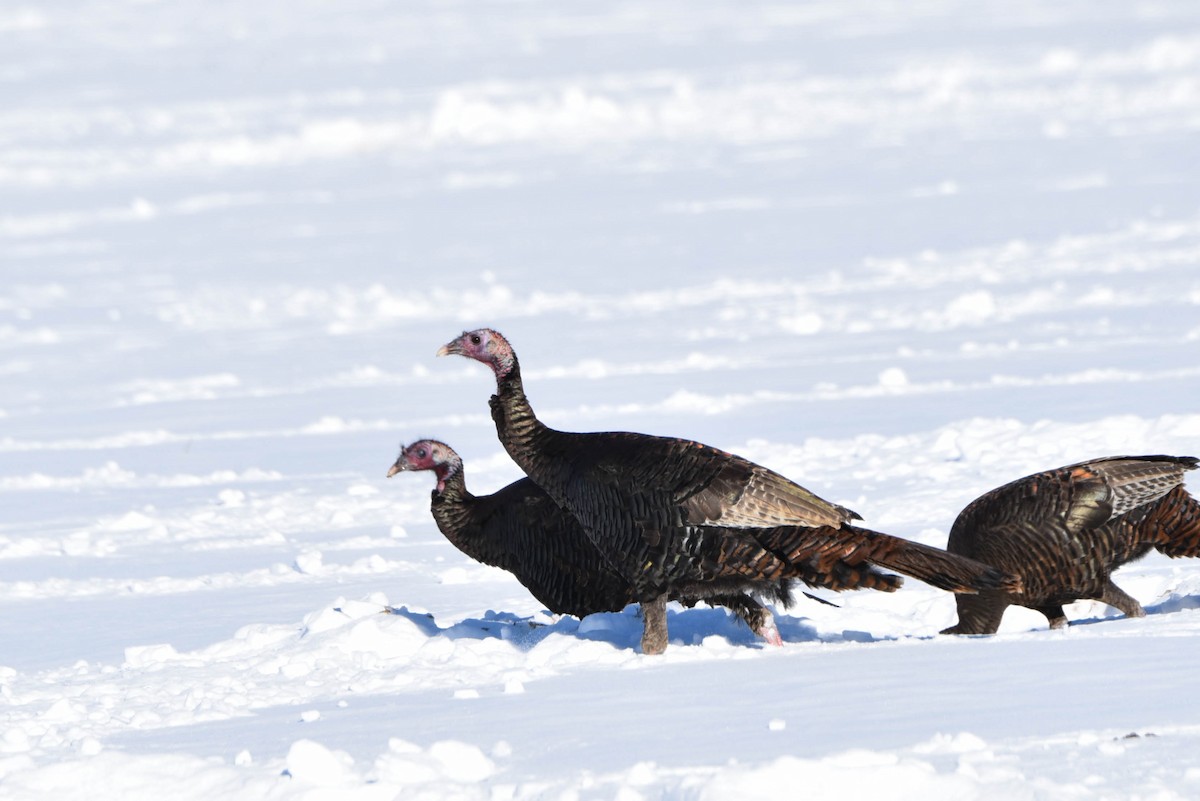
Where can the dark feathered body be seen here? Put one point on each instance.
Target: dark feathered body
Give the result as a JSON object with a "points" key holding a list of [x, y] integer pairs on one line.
{"points": [[1065, 531], [519, 529]]}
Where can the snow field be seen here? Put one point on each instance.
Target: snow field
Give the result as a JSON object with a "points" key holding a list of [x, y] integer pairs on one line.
{"points": [[903, 253]]}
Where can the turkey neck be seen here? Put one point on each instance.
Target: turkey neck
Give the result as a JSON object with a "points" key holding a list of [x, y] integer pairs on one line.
{"points": [[453, 510], [526, 438]]}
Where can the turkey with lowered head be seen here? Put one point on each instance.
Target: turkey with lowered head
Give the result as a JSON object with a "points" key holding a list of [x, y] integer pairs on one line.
{"points": [[519, 529], [1064, 532]]}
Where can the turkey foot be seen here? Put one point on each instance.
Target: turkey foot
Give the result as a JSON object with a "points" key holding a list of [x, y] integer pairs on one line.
{"points": [[769, 631]]}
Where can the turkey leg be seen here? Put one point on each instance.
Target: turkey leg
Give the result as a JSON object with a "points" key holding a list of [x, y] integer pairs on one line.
{"points": [[1116, 597], [654, 620]]}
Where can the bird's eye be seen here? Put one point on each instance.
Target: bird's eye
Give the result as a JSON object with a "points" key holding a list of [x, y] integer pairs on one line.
{"points": [[421, 453], [475, 339]]}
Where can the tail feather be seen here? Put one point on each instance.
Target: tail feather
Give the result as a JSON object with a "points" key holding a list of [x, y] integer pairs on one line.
{"points": [[848, 558], [932, 565], [840, 576]]}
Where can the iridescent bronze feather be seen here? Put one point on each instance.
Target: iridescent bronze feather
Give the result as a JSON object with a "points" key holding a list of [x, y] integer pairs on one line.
{"points": [[1065, 531]]}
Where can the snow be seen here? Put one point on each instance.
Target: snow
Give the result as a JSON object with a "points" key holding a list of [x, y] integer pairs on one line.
{"points": [[903, 253]]}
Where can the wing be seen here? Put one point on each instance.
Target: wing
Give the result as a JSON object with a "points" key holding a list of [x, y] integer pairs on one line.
{"points": [[709, 486], [1136, 481]]}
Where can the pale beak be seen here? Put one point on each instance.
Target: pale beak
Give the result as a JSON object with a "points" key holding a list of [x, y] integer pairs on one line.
{"points": [[396, 468], [451, 349]]}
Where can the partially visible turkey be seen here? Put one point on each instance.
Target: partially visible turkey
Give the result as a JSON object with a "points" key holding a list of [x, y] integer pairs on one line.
{"points": [[674, 515], [519, 529], [1065, 531]]}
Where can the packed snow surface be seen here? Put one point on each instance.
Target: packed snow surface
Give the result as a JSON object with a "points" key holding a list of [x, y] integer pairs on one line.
{"points": [[900, 252]]}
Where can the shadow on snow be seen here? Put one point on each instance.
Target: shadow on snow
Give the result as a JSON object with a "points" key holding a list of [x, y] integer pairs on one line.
{"points": [[1169, 605], [624, 629]]}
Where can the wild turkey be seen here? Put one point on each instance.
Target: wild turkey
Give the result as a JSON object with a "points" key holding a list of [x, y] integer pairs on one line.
{"points": [[1065, 531], [519, 529], [676, 516]]}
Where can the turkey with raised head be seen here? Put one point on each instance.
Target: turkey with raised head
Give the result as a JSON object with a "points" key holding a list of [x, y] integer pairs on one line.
{"points": [[521, 530], [1064, 532], [673, 515]]}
